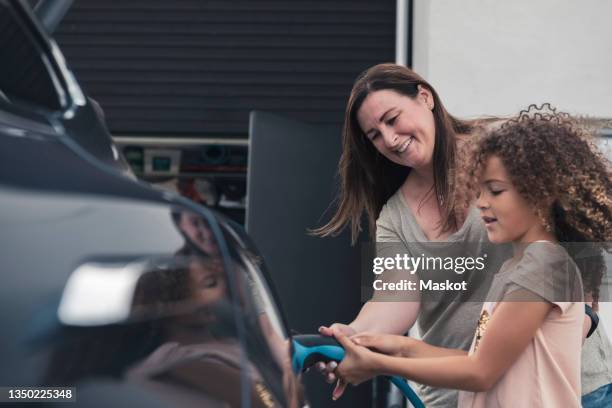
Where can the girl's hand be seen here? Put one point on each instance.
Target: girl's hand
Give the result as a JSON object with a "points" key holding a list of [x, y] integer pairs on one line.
{"points": [[358, 365], [390, 344]]}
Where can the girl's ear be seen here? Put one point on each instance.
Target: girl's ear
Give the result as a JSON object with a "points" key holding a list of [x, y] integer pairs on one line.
{"points": [[425, 96]]}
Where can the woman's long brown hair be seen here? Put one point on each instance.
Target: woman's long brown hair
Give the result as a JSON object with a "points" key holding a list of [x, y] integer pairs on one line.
{"points": [[368, 179]]}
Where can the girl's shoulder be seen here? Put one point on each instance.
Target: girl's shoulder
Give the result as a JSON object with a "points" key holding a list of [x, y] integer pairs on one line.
{"points": [[545, 253], [547, 270], [543, 258]]}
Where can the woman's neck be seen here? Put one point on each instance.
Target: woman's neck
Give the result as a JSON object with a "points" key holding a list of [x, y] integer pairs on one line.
{"points": [[419, 180]]}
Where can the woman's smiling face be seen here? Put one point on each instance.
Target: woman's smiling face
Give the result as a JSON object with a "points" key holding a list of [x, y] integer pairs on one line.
{"points": [[508, 217], [401, 128]]}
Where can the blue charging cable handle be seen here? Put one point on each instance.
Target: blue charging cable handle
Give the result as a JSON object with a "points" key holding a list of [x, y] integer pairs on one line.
{"points": [[311, 348]]}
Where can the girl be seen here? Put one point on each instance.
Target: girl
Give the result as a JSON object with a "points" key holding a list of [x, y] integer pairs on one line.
{"points": [[540, 184]]}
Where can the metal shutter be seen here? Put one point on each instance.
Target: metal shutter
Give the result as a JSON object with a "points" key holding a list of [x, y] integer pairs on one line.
{"points": [[195, 67]]}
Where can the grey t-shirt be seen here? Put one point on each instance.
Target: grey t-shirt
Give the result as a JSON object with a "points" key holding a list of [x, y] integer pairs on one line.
{"points": [[449, 319], [596, 361]]}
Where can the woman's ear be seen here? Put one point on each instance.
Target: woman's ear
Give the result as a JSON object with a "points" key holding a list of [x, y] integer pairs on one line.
{"points": [[425, 95]]}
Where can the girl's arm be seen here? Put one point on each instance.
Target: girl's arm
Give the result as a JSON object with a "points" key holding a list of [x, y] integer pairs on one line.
{"points": [[373, 317], [509, 331]]}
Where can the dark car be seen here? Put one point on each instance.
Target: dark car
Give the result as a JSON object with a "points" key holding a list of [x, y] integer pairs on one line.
{"points": [[119, 293]]}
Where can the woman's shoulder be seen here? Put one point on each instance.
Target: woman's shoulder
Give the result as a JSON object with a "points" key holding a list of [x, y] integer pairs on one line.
{"points": [[392, 208], [388, 223]]}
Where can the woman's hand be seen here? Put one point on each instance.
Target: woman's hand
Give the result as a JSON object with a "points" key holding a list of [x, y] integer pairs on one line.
{"points": [[327, 370], [358, 365], [390, 344], [344, 328]]}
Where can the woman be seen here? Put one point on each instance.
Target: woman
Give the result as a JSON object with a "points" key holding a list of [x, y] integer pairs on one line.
{"points": [[400, 152]]}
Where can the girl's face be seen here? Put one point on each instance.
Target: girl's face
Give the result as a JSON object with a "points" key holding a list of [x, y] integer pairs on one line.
{"points": [[207, 281], [508, 217], [401, 128]]}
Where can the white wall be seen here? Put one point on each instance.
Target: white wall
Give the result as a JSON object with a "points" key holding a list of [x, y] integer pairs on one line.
{"points": [[495, 57], [488, 57]]}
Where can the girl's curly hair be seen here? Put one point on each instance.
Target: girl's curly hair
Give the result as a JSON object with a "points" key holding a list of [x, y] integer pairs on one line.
{"points": [[554, 165]]}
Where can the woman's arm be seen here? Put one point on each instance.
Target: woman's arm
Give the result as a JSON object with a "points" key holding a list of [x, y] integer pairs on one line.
{"points": [[401, 346], [509, 331], [374, 317]]}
